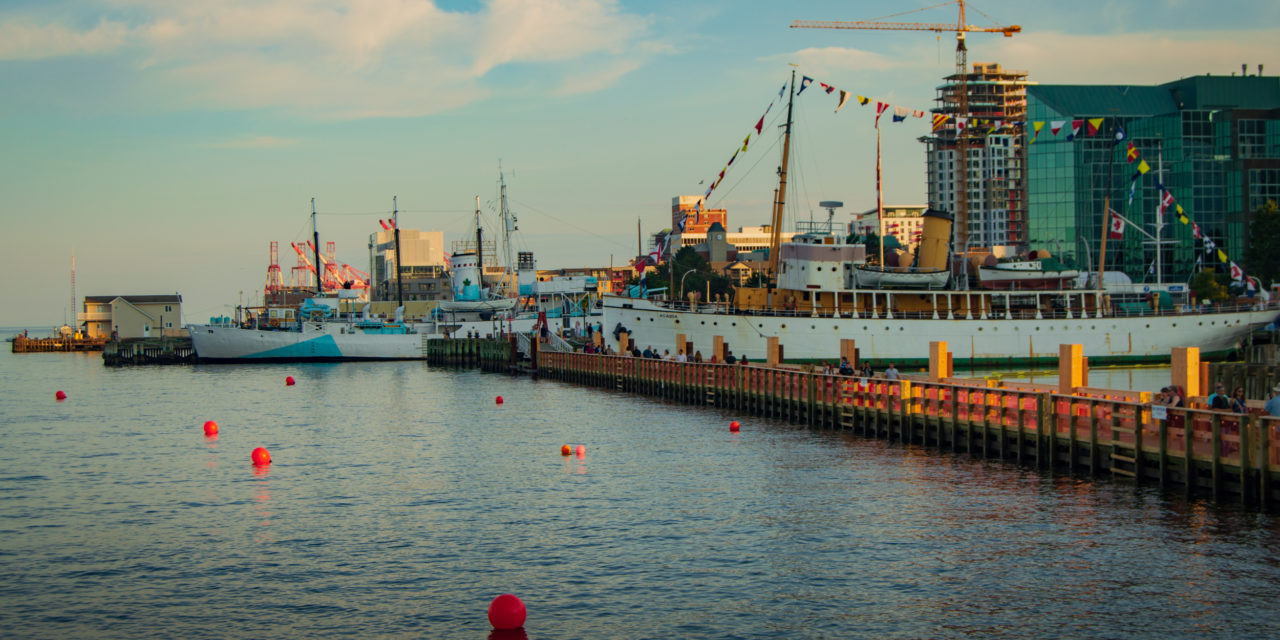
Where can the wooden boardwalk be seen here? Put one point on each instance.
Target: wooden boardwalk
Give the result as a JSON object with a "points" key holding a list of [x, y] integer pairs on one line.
{"points": [[1107, 434], [23, 344]]}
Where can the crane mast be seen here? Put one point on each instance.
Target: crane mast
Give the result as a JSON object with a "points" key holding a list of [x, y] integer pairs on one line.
{"points": [[960, 27]]}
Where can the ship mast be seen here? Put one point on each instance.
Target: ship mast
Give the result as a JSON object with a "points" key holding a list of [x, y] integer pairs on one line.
{"points": [[506, 225], [479, 252], [315, 236], [775, 232], [395, 226]]}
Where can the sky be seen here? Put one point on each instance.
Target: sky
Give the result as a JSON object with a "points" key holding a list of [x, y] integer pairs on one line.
{"points": [[166, 144]]}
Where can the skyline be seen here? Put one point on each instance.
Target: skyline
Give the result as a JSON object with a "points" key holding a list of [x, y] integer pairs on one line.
{"points": [[166, 146]]}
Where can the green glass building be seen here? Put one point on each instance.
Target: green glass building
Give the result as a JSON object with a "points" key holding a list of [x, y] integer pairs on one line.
{"points": [[1212, 141]]}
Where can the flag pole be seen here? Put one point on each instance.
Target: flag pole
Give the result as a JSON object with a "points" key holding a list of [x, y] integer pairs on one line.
{"points": [[1106, 231]]}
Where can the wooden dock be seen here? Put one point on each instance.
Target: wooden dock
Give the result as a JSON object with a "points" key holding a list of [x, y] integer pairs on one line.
{"points": [[1108, 434], [148, 351], [496, 355], [23, 344]]}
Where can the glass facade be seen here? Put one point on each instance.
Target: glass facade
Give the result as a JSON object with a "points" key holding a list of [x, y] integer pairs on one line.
{"points": [[1218, 160]]}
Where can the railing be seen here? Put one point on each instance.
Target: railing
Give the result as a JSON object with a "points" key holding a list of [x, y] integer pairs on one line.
{"points": [[1112, 433]]}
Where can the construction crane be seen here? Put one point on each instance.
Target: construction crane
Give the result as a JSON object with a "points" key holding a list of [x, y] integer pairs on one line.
{"points": [[960, 27]]}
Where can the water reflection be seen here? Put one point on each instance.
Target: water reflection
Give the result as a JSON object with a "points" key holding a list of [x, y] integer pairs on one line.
{"points": [[508, 634]]}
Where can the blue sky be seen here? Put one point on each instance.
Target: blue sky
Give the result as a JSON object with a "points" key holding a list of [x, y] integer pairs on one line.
{"points": [[167, 143]]}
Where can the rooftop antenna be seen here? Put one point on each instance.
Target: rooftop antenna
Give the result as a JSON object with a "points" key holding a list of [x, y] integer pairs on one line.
{"points": [[831, 206]]}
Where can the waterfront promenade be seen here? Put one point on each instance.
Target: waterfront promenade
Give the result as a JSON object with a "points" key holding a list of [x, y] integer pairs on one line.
{"points": [[1068, 428]]}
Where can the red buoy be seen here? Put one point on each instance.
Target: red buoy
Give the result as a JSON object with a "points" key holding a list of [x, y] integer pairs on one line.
{"points": [[260, 456], [497, 400], [566, 450], [210, 428], [60, 395], [734, 426], [506, 612], [582, 451], [288, 381]]}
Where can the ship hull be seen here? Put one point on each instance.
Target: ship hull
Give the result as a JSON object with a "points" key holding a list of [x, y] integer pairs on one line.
{"points": [[905, 341], [328, 344]]}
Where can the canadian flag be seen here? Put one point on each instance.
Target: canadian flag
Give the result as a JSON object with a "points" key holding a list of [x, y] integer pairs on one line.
{"points": [[1117, 226], [1237, 273]]}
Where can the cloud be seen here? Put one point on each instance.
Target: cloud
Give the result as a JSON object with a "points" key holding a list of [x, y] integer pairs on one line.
{"points": [[596, 79], [829, 60], [1133, 58], [257, 142], [25, 39], [340, 59]]}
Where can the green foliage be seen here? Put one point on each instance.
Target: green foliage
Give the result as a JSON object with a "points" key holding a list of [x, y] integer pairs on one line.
{"points": [[1261, 258], [1210, 286]]}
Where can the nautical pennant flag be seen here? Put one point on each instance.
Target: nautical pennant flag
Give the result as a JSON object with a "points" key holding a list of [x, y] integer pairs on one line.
{"points": [[1055, 126], [826, 87], [961, 123], [1222, 256], [938, 120], [1209, 244], [1094, 125], [1165, 201], [782, 90], [900, 113], [744, 142], [1133, 186], [1037, 125], [880, 107], [863, 100], [735, 157], [1075, 129], [447, 262], [1120, 135], [1182, 216], [1237, 273], [804, 84], [683, 219], [1117, 226], [760, 123], [1143, 167], [844, 97], [1131, 153], [709, 189], [384, 224], [1195, 231], [917, 114]]}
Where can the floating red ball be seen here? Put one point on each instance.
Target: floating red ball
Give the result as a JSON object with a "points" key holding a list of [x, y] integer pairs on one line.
{"points": [[60, 395], [506, 612], [288, 381], [210, 428], [497, 400], [566, 450], [734, 426], [582, 451], [260, 456]]}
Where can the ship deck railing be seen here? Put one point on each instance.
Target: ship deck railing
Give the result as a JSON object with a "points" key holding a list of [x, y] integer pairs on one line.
{"points": [[993, 312]]}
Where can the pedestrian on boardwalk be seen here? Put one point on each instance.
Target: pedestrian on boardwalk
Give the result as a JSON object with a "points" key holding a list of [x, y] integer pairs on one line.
{"points": [[891, 373], [1237, 401], [1273, 403]]}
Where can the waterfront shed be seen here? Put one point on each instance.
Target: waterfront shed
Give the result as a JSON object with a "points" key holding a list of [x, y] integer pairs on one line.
{"points": [[141, 316]]}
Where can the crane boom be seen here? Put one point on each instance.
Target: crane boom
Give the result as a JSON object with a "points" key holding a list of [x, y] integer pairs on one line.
{"points": [[940, 27]]}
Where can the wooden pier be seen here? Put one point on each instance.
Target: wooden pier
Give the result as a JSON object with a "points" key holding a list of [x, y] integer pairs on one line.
{"points": [[1097, 432], [148, 351], [496, 355], [23, 344]]}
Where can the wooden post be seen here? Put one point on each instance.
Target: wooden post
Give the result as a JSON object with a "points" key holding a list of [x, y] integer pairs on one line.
{"points": [[717, 348], [939, 361], [1185, 371], [773, 353], [847, 350], [624, 339], [680, 342], [1070, 367]]}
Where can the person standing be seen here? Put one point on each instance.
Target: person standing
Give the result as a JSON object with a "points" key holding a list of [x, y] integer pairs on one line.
{"points": [[891, 373], [1238, 404], [1273, 403]]}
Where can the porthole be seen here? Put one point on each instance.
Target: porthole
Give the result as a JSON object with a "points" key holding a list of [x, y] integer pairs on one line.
{"points": [[734, 324], [704, 322], [784, 325], [979, 328], [1148, 326], [813, 326], [1175, 324], [1037, 328], [715, 324], [761, 326]]}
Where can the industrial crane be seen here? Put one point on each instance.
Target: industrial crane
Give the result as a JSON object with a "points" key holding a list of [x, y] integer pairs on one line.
{"points": [[960, 27]]}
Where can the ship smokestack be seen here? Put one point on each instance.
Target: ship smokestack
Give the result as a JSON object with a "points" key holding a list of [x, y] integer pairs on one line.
{"points": [[935, 240]]}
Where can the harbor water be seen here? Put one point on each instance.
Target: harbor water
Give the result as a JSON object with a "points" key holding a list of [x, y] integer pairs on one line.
{"points": [[402, 499]]}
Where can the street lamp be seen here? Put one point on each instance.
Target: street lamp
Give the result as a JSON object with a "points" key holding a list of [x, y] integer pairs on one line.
{"points": [[686, 274]]}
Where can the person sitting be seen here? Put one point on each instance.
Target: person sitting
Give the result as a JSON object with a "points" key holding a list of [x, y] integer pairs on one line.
{"points": [[1273, 403], [743, 360], [1238, 404], [1219, 399]]}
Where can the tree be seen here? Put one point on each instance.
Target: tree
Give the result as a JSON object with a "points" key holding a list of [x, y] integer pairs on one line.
{"points": [[1209, 286], [1261, 258]]}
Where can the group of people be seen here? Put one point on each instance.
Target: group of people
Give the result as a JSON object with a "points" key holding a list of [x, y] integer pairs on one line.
{"points": [[1219, 400], [865, 371]]}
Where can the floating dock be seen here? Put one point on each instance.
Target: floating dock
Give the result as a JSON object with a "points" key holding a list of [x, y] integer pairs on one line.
{"points": [[23, 344]]}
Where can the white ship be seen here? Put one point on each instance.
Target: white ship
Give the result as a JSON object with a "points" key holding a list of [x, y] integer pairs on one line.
{"points": [[820, 296]]}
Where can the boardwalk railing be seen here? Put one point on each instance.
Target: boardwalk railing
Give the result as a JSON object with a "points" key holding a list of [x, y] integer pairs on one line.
{"points": [[1098, 432]]}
